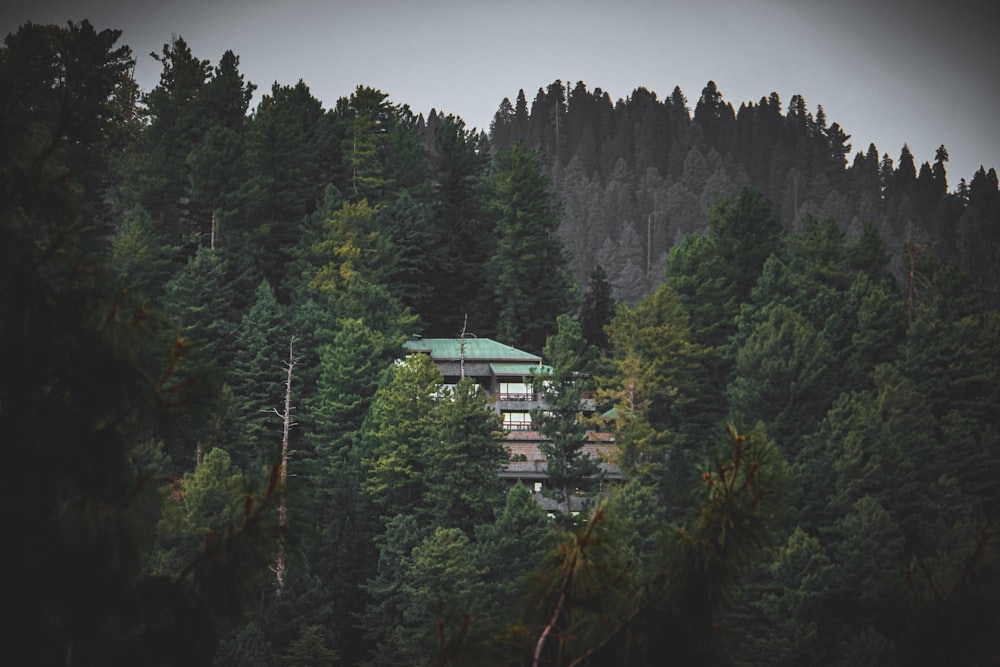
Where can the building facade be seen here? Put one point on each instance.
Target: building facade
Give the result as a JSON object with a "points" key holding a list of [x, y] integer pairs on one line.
{"points": [[508, 375]]}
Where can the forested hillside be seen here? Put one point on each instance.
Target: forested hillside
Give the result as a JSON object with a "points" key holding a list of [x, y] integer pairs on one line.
{"points": [[637, 175], [218, 453]]}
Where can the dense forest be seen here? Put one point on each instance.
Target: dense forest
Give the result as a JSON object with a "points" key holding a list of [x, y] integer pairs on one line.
{"points": [[218, 453]]}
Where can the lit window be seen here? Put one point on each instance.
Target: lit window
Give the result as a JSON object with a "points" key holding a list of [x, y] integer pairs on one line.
{"points": [[515, 391], [517, 421]]}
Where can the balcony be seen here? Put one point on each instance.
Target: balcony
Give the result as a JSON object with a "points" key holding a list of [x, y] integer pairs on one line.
{"points": [[506, 396]]}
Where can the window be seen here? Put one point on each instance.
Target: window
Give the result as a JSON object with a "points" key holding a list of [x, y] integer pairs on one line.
{"points": [[515, 391], [517, 421]]}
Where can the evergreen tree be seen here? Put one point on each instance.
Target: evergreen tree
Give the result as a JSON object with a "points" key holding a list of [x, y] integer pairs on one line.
{"points": [[511, 546], [462, 233], [137, 256], [176, 123], [531, 282], [258, 380], [640, 516], [463, 485], [351, 245], [597, 310], [95, 378], [368, 117], [713, 275], [246, 647], [208, 501], [341, 552], [400, 431], [382, 617], [288, 137], [443, 595], [791, 609], [69, 88], [200, 300], [310, 650], [570, 470], [660, 387], [782, 376]]}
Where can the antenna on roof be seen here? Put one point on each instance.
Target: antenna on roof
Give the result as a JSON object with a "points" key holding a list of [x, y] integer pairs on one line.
{"points": [[461, 347]]}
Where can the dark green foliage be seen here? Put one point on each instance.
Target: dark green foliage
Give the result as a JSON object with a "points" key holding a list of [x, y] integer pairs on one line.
{"points": [[714, 275], [853, 316], [531, 284], [572, 472], [596, 608], [310, 650], [247, 647], [67, 107], [511, 545], [661, 388], [158, 158], [139, 257], [782, 375], [205, 502], [783, 615], [258, 380], [199, 298], [401, 432], [463, 488], [462, 234], [367, 117], [342, 552], [382, 617], [433, 449], [304, 603], [640, 515], [94, 376], [287, 139], [597, 310]]}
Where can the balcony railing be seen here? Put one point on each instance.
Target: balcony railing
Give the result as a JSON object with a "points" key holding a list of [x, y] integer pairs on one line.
{"points": [[519, 426], [517, 397]]}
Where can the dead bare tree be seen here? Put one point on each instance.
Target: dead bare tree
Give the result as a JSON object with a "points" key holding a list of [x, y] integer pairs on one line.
{"points": [[286, 416]]}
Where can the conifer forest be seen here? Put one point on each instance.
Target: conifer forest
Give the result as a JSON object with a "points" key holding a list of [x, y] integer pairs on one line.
{"points": [[219, 450]]}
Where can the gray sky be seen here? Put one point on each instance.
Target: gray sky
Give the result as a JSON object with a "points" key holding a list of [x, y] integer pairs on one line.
{"points": [[920, 72]]}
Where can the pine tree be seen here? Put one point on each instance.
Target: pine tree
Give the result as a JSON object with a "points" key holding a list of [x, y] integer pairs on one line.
{"points": [[511, 546], [258, 381], [597, 310], [351, 245], [69, 87], [287, 139], [571, 472], [310, 650], [176, 123], [463, 485], [462, 239], [200, 300], [660, 388], [400, 431], [95, 378], [531, 282]]}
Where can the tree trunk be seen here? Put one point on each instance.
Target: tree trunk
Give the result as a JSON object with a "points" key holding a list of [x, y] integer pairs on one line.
{"points": [[286, 416]]}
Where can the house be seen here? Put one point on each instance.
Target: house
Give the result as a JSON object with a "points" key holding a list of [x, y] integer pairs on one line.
{"points": [[508, 376]]}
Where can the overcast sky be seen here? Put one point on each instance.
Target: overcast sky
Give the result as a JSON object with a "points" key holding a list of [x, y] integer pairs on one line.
{"points": [[920, 72]]}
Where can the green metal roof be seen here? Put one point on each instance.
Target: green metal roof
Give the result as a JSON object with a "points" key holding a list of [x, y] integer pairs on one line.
{"points": [[520, 370], [476, 349]]}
